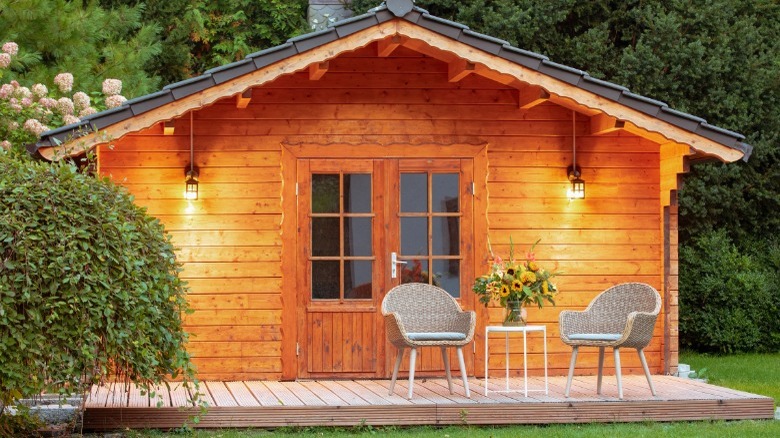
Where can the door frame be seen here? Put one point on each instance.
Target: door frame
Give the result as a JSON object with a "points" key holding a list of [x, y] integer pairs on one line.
{"points": [[290, 153]]}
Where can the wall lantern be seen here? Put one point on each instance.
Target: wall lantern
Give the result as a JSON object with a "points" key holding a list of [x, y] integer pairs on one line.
{"points": [[191, 172], [573, 172]]}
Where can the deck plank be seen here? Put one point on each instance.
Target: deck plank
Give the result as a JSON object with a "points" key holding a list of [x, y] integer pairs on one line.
{"points": [[221, 394], [308, 397], [328, 396], [283, 394], [263, 394], [242, 394]]}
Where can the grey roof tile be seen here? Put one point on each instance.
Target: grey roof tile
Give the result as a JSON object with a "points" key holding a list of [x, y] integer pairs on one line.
{"points": [[562, 72], [442, 26], [149, 102], [482, 41], [109, 117], [720, 135], [230, 71], [271, 55], [190, 86], [602, 88], [525, 58], [679, 118], [355, 24], [311, 40], [746, 149], [641, 103]]}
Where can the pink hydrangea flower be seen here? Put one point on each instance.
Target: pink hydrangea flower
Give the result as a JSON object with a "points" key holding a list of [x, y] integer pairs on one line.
{"points": [[88, 111], [6, 90], [115, 100], [112, 87], [65, 106], [11, 48], [13, 125], [81, 99], [34, 126], [5, 144], [70, 119], [26, 101], [15, 84], [14, 103], [48, 102], [64, 81], [5, 60], [23, 92], [39, 90]]}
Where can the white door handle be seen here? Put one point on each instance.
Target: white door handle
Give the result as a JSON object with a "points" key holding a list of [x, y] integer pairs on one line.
{"points": [[393, 265]]}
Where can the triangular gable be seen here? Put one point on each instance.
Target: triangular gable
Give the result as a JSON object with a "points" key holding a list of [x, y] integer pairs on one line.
{"points": [[400, 23]]}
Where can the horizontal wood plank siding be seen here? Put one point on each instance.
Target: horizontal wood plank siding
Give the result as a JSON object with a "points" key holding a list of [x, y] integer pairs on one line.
{"points": [[230, 239]]}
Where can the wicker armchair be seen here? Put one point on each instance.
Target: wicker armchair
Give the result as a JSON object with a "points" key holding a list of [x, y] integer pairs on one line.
{"points": [[621, 316], [420, 315]]}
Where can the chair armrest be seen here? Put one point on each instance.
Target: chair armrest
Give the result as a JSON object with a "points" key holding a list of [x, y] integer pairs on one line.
{"points": [[571, 321], [639, 329], [463, 322], [396, 333]]}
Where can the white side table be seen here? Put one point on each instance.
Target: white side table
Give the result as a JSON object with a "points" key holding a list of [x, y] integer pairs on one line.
{"points": [[524, 330]]}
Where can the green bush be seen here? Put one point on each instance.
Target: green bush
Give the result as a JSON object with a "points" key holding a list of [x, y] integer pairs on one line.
{"points": [[728, 298], [89, 284]]}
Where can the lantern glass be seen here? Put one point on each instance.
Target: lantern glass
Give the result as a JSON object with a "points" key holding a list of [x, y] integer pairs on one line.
{"points": [[191, 185], [577, 190]]}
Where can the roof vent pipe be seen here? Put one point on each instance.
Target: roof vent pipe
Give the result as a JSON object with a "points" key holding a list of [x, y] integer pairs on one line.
{"points": [[323, 13]]}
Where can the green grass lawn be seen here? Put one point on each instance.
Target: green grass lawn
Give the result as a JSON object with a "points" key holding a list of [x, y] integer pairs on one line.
{"points": [[756, 373]]}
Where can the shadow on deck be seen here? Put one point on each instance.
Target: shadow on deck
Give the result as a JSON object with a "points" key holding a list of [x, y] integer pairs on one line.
{"points": [[351, 402]]}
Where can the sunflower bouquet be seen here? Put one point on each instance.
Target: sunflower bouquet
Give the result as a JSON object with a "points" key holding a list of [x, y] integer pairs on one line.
{"points": [[514, 280]]}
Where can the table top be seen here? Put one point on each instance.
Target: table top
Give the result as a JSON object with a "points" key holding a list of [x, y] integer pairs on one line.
{"points": [[522, 328]]}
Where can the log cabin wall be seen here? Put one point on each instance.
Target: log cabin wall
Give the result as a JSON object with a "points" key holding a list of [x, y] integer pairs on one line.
{"points": [[230, 238]]}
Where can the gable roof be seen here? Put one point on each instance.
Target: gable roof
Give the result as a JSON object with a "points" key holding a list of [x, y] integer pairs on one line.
{"points": [[566, 83]]}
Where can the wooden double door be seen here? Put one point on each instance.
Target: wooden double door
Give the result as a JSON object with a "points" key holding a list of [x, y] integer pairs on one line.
{"points": [[365, 226]]}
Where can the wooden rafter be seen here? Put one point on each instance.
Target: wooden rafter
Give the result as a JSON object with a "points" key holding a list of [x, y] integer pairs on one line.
{"points": [[318, 70], [531, 96], [601, 124], [243, 99], [459, 69], [169, 126], [387, 46]]}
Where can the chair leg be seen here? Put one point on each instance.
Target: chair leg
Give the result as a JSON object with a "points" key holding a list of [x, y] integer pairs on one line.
{"points": [[571, 369], [647, 370], [412, 360], [462, 365], [617, 373], [395, 369], [601, 370], [446, 358]]}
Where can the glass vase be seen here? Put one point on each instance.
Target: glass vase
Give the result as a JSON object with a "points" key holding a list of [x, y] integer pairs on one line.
{"points": [[516, 314]]}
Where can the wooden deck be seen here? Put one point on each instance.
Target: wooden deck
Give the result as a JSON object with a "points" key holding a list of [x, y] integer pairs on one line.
{"points": [[350, 402]]}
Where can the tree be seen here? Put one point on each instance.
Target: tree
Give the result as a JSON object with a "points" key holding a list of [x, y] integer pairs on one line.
{"points": [[83, 39]]}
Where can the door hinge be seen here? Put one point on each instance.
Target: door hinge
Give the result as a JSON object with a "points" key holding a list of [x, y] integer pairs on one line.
{"points": [[473, 189], [296, 189], [297, 349]]}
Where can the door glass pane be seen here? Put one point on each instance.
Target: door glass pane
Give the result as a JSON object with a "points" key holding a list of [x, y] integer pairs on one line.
{"points": [[357, 193], [445, 193], [415, 271], [324, 193], [414, 192], [447, 275], [446, 236], [325, 236], [414, 236], [357, 279], [325, 280], [357, 236]]}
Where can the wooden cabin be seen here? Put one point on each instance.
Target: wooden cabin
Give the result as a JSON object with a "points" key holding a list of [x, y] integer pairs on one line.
{"points": [[397, 134]]}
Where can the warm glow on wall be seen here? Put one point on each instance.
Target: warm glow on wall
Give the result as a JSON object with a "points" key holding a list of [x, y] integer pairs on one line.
{"points": [[577, 188]]}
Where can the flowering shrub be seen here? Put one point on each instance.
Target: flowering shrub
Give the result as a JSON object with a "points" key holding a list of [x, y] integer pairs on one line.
{"points": [[27, 112], [514, 280]]}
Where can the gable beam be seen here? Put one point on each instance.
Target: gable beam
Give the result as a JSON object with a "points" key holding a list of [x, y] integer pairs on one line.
{"points": [[459, 69], [601, 124], [169, 127], [387, 46], [530, 96], [243, 99]]}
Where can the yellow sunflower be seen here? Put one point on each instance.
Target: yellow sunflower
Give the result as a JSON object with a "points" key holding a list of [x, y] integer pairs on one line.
{"points": [[504, 291], [528, 277]]}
